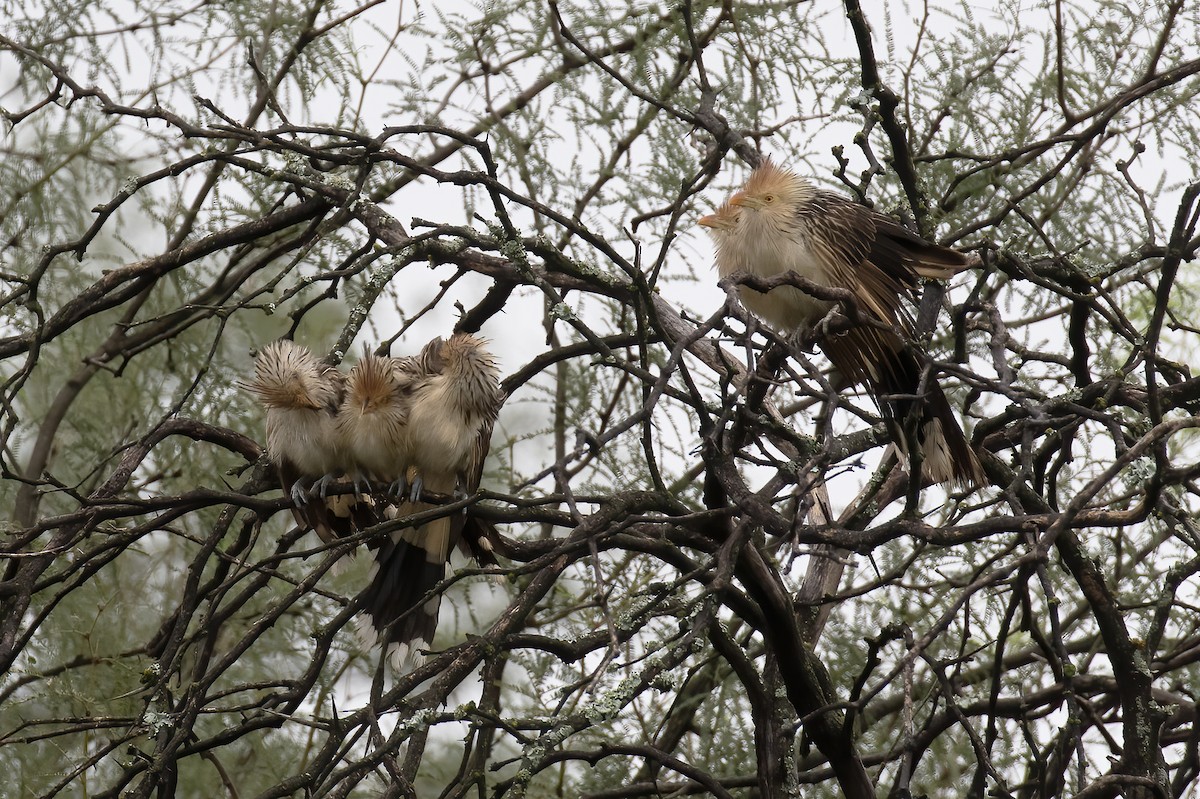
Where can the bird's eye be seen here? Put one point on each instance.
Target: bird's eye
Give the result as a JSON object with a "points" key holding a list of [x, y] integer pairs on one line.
{"points": [[770, 198]]}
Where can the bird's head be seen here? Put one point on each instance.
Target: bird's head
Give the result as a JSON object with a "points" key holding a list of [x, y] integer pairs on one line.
{"points": [[462, 351], [287, 375], [372, 384], [470, 372], [772, 191], [722, 221]]}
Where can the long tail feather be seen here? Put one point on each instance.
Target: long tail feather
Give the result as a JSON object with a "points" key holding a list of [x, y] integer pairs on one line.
{"points": [[892, 373], [400, 616]]}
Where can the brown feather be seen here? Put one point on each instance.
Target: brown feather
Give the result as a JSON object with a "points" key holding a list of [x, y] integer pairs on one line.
{"points": [[319, 422], [452, 399], [301, 395], [778, 223], [373, 418], [896, 243]]}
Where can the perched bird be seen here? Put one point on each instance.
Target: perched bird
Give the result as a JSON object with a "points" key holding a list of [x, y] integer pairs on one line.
{"points": [[302, 396], [450, 399], [428, 417], [452, 414], [372, 422], [778, 223]]}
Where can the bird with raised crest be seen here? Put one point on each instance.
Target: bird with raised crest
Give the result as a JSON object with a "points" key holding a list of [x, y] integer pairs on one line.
{"points": [[779, 223], [302, 396], [452, 399], [428, 417], [372, 422]]}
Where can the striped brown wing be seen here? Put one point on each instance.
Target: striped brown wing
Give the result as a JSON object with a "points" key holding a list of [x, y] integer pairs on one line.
{"points": [[844, 235], [334, 378], [469, 531], [429, 360], [858, 234], [898, 249], [891, 372], [881, 262]]}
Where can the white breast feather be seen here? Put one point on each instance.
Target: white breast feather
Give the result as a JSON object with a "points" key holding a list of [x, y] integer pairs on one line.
{"points": [[761, 251], [305, 437]]}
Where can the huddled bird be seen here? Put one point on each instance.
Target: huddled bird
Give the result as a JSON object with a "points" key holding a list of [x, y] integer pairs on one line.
{"points": [[451, 397], [303, 397], [372, 422], [390, 430], [779, 223]]}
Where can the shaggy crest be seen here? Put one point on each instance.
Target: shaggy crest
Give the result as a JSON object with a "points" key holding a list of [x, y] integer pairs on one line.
{"points": [[288, 375], [473, 371], [372, 384], [464, 351], [770, 186]]}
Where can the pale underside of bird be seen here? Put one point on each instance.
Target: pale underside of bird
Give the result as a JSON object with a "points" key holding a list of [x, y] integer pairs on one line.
{"points": [[450, 397], [302, 396], [423, 420], [779, 223]]}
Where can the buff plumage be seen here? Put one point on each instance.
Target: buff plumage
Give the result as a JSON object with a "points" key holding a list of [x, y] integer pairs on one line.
{"points": [[373, 419], [454, 398], [301, 395], [779, 223], [427, 418]]}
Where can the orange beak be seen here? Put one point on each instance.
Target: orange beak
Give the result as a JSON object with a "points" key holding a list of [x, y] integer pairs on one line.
{"points": [[708, 221]]}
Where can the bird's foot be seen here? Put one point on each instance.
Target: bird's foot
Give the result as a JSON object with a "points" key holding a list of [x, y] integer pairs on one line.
{"points": [[833, 323], [398, 486], [803, 337], [322, 485], [417, 484], [299, 494], [362, 486]]}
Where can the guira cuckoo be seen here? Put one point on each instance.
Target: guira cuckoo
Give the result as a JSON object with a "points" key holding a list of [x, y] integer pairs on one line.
{"points": [[779, 223], [302, 396], [429, 417], [372, 422], [448, 397]]}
